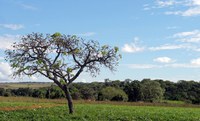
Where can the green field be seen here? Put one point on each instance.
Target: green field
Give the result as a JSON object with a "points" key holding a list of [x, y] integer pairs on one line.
{"points": [[31, 109]]}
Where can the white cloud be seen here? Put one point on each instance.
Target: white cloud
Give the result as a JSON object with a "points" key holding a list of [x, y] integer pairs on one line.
{"points": [[136, 39], [7, 41], [191, 7], [167, 47], [5, 72], [172, 27], [164, 60], [33, 78], [12, 26], [189, 33], [189, 36], [181, 65], [193, 64], [1, 58], [28, 7], [166, 3], [195, 2], [87, 34], [191, 12], [196, 62], [143, 66], [5, 68], [132, 48]]}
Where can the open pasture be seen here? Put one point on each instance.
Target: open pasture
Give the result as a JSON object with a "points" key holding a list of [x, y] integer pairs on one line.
{"points": [[32, 109]]}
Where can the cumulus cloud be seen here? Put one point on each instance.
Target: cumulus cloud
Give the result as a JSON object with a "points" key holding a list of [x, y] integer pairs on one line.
{"points": [[189, 12], [191, 7], [132, 48], [196, 62], [167, 47], [196, 2], [164, 60], [7, 40], [5, 71], [166, 3], [28, 7], [166, 63], [189, 36], [12, 26], [173, 65], [143, 66], [87, 34]]}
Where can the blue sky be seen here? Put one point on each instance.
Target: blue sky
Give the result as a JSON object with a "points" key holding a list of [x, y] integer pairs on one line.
{"points": [[158, 39]]}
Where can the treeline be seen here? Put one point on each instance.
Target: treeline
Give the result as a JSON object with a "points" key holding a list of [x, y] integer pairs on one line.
{"points": [[128, 90]]}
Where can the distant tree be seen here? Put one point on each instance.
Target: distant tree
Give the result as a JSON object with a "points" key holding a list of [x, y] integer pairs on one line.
{"points": [[113, 94], [132, 89], [2, 91], [151, 91], [54, 92], [22, 92], [188, 91], [170, 91], [39, 93], [74, 93], [87, 93], [60, 58]]}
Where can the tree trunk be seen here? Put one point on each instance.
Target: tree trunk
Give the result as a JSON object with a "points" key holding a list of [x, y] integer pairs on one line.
{"points": [[69, 100]]}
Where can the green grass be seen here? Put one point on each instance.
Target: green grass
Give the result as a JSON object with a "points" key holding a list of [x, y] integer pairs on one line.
{"points": [[98, 112]]}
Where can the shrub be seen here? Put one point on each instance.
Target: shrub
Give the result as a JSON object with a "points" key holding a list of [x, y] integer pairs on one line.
{"points": [[113, 94]]}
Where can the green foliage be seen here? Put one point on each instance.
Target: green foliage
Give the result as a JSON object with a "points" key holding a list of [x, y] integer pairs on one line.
{"points": [[54, 92], [39, 61], [113, 94], [151, 91], [133, 90], [87, 93], [2, 91], [116, 49], [75, 93], [57, 34], [62, 81], [184, 91], [69, 70]]}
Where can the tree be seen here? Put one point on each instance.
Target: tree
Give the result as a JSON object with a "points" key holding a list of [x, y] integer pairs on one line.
{"points": [[151, 90], [60, 58], [113, 94], [132, 89]]}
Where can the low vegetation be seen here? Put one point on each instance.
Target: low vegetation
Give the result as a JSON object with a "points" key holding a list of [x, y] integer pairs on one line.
{"points": [[34, 109], [129, 90]]}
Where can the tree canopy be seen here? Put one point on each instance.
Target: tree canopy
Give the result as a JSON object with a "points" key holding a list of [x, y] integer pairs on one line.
{"points": [[61, 58]]}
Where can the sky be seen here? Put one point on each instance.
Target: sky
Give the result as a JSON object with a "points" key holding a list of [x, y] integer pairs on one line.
{"points": [[158, 39]]}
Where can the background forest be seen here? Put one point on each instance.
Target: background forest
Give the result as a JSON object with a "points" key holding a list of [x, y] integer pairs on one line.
{"points": [[129, 90]]}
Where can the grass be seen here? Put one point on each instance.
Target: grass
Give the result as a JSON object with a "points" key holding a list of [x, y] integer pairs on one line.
{"points": [[54, 110]]}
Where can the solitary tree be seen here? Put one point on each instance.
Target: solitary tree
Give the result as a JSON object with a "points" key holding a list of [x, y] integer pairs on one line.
{"points": [[60, 58]]}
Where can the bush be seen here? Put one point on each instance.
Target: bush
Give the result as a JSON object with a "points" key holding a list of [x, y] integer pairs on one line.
{"points": [[87, 93], [112, 94], [2, 91]]}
